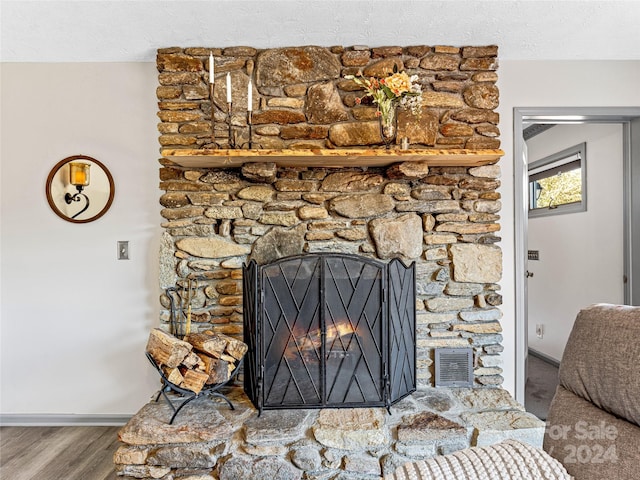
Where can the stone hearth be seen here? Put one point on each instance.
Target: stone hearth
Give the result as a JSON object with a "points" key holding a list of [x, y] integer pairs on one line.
{"points": [[209, 441]]}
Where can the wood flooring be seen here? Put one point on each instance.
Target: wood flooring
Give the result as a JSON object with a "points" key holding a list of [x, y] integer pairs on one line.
{"points": [[58, 453]]}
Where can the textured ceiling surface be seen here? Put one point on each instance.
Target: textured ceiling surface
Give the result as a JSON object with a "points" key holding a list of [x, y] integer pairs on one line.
{"points": [[132, 31]]}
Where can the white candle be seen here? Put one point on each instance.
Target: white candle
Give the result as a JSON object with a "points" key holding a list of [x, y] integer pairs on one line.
{"points": [[211, 69], [250, 96], [228, 88]]}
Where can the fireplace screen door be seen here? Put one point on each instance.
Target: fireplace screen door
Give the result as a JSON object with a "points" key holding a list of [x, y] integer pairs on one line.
{"points": [[319, 333]]}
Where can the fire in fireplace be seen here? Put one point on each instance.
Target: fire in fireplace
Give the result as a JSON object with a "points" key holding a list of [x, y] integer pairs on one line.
{"points": [[329, 330]]}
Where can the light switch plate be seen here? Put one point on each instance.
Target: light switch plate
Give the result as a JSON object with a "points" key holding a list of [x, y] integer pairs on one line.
{"points": [[123, 250]]}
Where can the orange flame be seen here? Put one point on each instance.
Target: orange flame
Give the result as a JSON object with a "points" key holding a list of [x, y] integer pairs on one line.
{"points": [[313, 340]]}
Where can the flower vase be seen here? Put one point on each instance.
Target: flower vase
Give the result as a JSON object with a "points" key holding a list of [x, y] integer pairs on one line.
{"points": [[388, 123]]}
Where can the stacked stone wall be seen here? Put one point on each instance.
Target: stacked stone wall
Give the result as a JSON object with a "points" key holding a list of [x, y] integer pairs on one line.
{"points": [[446, 221], [443, 218], [302, 100]]}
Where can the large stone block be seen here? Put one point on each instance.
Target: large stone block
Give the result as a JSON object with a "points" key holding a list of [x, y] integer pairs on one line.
{"points": [[476, 263], [278, 243], [493, 427], [355, 58], [324, 105], [127, 455], [429, 206], [351, 182], [281, 117], [401, 236], [221, 212], [286, 219], [384, 67], [362, 464], [447, 304], [211, 247], [193, 455], [482, 96], [468, 228], [167, 261], [258, 193], [177, 62], [142, 471], [351, 429], [484, 327], [276, 426], [481, 315], [265, 468], [198, 423], [419, 129], [362, 206], [260, 171], [427, 426], [439, 61], [307, 458], [348, 134], [287, 66]]}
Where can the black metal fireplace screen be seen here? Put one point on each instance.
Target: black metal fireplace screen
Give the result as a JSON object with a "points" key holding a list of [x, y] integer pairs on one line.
{"points": [[329, 330]]}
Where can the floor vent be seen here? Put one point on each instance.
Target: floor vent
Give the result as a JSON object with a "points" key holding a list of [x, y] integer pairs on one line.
{"points": [[454, 367]]}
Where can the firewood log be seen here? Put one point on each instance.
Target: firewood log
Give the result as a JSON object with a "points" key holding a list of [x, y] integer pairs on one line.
{"points": [[203, 342], [194, 380], [166, 349], [219, 372], [173, 375], [193, 362], [227, 358], [207, 362], [234, 347]]}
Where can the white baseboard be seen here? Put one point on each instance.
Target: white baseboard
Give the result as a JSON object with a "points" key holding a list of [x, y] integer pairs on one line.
{"points": [[545, 357], [56, 420]]}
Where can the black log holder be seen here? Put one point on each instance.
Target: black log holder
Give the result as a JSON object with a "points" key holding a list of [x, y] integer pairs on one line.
{"points": [[189, 395]]}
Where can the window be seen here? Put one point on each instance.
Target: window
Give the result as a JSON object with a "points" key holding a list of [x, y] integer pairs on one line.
{"points": [[558, 183]]}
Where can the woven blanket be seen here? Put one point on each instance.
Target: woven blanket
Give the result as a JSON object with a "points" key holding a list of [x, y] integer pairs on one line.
{"points": [[508, 460]]}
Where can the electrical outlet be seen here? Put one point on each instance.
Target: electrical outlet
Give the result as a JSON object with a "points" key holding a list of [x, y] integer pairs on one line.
{"points": [[123, 250], [539, 330]]}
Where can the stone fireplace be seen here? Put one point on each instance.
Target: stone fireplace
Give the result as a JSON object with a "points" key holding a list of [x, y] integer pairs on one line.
{"points": [[320, 182], [445, 218]]}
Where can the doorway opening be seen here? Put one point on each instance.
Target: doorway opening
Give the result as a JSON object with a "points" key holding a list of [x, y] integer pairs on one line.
{"points": [[540, 119]]}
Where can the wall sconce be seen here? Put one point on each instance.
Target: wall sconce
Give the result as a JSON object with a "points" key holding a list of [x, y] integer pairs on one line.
{"points": [[66, 186], [78, 177]]}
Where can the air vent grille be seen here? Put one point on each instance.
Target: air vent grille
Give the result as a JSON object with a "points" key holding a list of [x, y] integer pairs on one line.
{"points": [[454, 367]]}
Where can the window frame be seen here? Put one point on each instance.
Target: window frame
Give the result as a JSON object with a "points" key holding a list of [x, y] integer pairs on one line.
{"points": [[553, 162]]}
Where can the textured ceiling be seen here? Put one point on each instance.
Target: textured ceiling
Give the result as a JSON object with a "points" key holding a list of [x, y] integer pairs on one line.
{"points": [[132, 31]]}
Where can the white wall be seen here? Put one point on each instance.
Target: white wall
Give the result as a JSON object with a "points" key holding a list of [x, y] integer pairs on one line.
{"points": [[74, 318], [86, 356], [548, 84], [581, 254]]}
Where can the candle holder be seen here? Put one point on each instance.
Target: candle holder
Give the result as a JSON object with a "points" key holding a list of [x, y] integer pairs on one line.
{"points": [[213, 120], [249, 144], [232, 140]]}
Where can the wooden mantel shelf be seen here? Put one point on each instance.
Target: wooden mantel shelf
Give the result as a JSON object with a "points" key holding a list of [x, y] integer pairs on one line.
{"points": [[369, 157]]}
